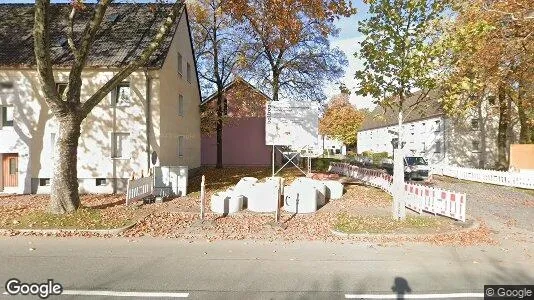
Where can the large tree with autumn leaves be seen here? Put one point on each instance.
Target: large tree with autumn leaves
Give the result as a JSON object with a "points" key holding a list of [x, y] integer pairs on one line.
{"points": [[288, 52], [218, 48], [341, 120], [68, 108], [490, 56]]}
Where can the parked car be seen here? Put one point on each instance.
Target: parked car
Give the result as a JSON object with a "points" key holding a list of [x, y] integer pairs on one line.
{"points": [[416, 167]]}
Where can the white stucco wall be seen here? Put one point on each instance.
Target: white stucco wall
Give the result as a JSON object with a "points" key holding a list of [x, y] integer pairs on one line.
{"points": [[329, 143], [420, 138], [31, 135]]}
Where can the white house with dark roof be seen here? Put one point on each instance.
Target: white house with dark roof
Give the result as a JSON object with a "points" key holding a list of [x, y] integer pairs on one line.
{"points": [[468, 141], [151, 119]]}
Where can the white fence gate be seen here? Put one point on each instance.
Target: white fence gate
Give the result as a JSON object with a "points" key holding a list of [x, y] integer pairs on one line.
{"points": [[417, 197], [512, 179]]}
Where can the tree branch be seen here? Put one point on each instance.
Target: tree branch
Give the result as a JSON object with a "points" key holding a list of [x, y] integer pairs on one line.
{"points": [[141, 60], [70, 34], [42, 56]]}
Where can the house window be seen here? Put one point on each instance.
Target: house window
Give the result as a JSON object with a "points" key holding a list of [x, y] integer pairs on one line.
{"points": [[438, 125], [60, 88], [188, 74], [475, 124], [12, 166], [180, 63], [101, 182], [119, 147], [6, 85], [180, 146], [438, 146], [44, 181], [180, 105], [7, 115], [476, 146], [52, 144], [121, 95]]}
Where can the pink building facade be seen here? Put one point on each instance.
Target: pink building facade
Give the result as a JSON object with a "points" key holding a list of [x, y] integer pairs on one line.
{"points": [[243, 133], [243, 144]]}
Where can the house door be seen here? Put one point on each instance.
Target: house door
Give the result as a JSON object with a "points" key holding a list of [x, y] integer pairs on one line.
{"points": [[10, 170]]}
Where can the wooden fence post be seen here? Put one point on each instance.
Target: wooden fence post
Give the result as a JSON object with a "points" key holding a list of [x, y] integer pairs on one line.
{"points": [[202, 185]]}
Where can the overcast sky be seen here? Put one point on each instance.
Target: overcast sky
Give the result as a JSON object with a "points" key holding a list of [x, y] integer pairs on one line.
{"points": [[347, 41]]}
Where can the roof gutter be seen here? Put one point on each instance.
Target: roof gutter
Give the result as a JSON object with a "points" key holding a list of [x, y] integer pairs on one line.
{"points": [[148, 85]]}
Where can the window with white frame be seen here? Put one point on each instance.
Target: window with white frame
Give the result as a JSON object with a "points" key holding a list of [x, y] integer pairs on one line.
{"points": [[6, 85], [120, 145], [52, 144], [475, 123], [181, 145], [438, 125], [475, 146], [8, 113], [180, 105], [438, 147], [60, 88], [188, 74], [122, 95], [180, 63]]}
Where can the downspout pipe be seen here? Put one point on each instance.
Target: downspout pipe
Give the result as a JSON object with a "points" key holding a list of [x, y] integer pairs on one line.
{"points": [[148, 85]]}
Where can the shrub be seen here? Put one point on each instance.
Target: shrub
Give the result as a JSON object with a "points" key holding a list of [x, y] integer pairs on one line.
{"points": [[367, 153], [379, 156], [320, 164]]}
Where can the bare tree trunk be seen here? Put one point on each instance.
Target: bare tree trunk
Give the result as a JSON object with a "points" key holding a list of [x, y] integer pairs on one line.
{"points": [[276, 85], [504, 121], [64, 196], [220, 102], [483, 136], [525, 132]]}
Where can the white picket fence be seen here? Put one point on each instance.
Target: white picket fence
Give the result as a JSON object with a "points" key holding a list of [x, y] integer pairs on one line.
{"points": [[417, 197], [512, 179], [138, 189]]}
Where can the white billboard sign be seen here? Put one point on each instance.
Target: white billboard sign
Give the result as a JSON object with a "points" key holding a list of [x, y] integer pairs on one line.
{"points": [[292, 123]]}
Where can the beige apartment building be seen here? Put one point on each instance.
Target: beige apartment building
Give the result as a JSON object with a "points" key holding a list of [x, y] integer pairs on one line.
{"points": [[151, 119]]}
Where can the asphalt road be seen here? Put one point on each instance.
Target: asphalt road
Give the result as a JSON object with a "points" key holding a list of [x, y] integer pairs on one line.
{"points": [[259, 270]]}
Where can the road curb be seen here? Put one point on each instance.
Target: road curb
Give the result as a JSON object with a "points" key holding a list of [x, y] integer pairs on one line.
{"points": [[338, 233], [113, 231]]}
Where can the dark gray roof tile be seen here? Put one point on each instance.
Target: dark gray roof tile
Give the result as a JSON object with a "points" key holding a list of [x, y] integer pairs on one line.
{"points": [[118, 41], [416, 109]]}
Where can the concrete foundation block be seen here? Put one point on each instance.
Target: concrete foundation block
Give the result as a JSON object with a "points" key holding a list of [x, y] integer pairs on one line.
{"points": [[226, 202], [318, 184], [263, 197], [244, 188], [334, 189], [301, 198]]}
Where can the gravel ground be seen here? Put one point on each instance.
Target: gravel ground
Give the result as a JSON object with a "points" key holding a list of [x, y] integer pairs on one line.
{"points": [[496, 204]]}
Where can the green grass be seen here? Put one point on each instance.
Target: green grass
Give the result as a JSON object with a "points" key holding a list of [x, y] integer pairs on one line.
{"points": [[83, 218], [382, 224]]}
